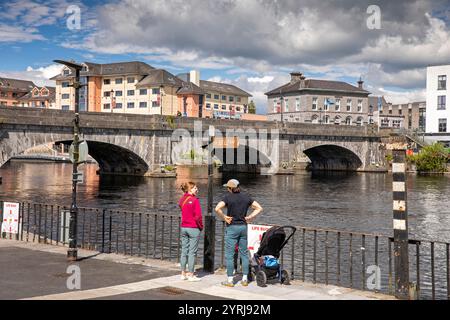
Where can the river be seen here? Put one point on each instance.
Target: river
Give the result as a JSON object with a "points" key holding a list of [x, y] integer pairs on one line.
{"points": [[360, 202]]}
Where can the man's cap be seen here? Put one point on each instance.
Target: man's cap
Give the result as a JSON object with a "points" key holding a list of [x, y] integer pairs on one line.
{"points": [[233, 183]]}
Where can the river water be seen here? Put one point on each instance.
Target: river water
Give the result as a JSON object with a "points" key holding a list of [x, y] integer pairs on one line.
{"points": [[359, 202]]}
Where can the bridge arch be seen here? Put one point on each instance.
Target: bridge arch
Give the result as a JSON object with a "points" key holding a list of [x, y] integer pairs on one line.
{"points": [[114, 159], [333, 157], [244, 159]]}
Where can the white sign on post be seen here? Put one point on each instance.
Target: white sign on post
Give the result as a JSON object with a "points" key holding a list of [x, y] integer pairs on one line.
{"points": [[254, 236], [10, 223]]}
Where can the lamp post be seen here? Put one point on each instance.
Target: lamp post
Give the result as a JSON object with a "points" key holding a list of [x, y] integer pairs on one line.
{"points": [[320, 115], [210, 220], [72, 253], [281, 107]]}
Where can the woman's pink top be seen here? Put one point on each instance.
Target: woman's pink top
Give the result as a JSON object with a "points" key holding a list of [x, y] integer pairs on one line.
{"points": [[191, 212]]}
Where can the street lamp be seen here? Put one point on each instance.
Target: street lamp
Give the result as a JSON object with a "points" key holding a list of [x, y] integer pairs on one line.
{"points": [[320, 113], [113, 102], [72, 252], [281, 107], [210, 220]]}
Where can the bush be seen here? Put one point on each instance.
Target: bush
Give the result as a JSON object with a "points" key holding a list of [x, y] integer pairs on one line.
{"points": [[431, 158]]}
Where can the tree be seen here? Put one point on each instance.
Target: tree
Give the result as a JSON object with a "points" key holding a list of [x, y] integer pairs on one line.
{"points": [[431, 158], [251, 107]]}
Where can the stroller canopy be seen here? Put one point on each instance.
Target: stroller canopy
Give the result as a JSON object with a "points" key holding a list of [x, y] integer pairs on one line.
{"points": [[272, 242]]}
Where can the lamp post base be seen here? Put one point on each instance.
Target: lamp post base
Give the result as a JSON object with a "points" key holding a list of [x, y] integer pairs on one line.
{"points": [[72, 255]]}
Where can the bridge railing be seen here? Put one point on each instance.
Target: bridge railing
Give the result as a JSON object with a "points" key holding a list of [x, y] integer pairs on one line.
{"points": [[333, 257]]}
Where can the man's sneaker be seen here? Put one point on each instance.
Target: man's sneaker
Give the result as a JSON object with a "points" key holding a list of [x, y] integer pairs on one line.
{"points": [[193, 279], [244, 283], [183, 277], [228, 284]]}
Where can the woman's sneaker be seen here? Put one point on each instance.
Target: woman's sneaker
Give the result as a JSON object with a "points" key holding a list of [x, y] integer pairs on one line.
{"points": [[193, 278], [183, 277], [228, 284]]}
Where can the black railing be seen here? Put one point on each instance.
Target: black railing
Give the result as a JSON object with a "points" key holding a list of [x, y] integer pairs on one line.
{"points": [[348, 259]]}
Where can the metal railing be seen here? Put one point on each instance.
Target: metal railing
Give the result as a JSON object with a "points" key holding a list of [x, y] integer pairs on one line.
{"points": [[348, 259]]}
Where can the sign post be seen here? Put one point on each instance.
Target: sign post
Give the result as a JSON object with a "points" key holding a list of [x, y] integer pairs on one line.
{"points": [[10, 219], [400, 224]]}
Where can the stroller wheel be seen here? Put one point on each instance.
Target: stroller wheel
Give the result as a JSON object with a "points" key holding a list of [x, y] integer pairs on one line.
{"points": [[261, 278], [285, 278], [252, 276]]}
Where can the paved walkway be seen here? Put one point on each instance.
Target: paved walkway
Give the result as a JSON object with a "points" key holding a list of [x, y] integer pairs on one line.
{"points": [[35, 271]]}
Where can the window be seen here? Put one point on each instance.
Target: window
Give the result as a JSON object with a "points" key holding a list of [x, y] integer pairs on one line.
{"points": [[390, 111], [65, 84], [118, 106], [238, 109], [360, 102], [155, 104], [224, 107], [130, 80], [208, 106], [130, 105], [216, 97], [400, 112], [349, 105], [119, 81], [107, 106], [156, 91], [208, 96], [65, 107], [326, 120], [216, 107], [231, 99], [238, 99], [286, 105], [107, 81], [107, 94], [224, 97], [325, 104], [297, 104], [442, 82], [442, 125], [441, 103], [142, 104], [314, 104], [66, 72], [65, 96], [422, 119], [118, 93], [143, 92], [130, 92], [338, 104]]}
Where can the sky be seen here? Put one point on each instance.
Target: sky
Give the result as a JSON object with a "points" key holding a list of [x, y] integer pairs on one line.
{"points": [[253, 44]]}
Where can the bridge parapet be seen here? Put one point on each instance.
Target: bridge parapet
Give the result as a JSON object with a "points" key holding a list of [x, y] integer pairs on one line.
{"points": [[59, 118]]}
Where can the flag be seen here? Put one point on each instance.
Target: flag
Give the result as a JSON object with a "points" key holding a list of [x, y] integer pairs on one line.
{"points": [[329, 102]]}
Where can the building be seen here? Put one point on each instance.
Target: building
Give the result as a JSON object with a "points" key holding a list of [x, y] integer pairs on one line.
{"points": [[318, 101], [437, 113], [39, 97], [11, 90], [221, 100], [136, 87]]}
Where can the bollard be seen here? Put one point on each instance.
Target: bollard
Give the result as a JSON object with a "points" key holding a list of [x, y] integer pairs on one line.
{"points": [[400, 224]]}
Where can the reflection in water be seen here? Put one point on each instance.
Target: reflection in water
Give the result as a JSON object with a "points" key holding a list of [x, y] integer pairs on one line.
{"points": [[347, 201]]}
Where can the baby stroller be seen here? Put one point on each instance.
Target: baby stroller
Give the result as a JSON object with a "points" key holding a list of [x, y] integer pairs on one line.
{"points": [[265, 262]]}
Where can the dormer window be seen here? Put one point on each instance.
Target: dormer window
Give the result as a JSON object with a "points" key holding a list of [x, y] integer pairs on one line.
{"points": [[35, 92], [66, 72]]}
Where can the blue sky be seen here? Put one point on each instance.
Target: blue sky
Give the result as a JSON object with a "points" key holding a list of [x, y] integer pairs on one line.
{"points": [[253, 44]]}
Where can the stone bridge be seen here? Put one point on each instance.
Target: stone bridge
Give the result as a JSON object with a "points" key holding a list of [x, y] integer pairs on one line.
{"points": [[130, 144]]}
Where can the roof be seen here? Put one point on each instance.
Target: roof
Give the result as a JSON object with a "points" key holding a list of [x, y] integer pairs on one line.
{"points": [[313, 84], [190, 88], [110, 69], [223, 88], [159, 77], [16, 84], [50, 96]]}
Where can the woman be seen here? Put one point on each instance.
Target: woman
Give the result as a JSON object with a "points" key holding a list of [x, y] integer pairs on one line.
{"points": [[191, 227]]}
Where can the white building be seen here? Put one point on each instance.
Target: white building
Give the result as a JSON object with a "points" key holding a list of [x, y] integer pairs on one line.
{"points": [[438, 113]]}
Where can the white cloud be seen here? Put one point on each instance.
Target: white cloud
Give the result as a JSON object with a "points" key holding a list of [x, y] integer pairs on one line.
{"points": [[40, 76], [18, 34]]}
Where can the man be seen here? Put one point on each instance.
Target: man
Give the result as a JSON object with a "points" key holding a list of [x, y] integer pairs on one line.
{"points": [[237, 204]]}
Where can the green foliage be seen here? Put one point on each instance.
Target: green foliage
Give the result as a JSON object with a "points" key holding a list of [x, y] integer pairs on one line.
{"points": [[251, 107], [431, 158], [389, 158], [171, 121], [169, 168]]}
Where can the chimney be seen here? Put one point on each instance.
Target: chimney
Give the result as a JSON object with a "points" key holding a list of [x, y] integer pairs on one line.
{"points": [[296, 76], [302, 81], [194, 77], [360, 83]]}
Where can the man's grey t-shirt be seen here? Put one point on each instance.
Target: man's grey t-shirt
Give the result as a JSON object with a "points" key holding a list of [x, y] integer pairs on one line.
{"points": [[237, 206]]}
